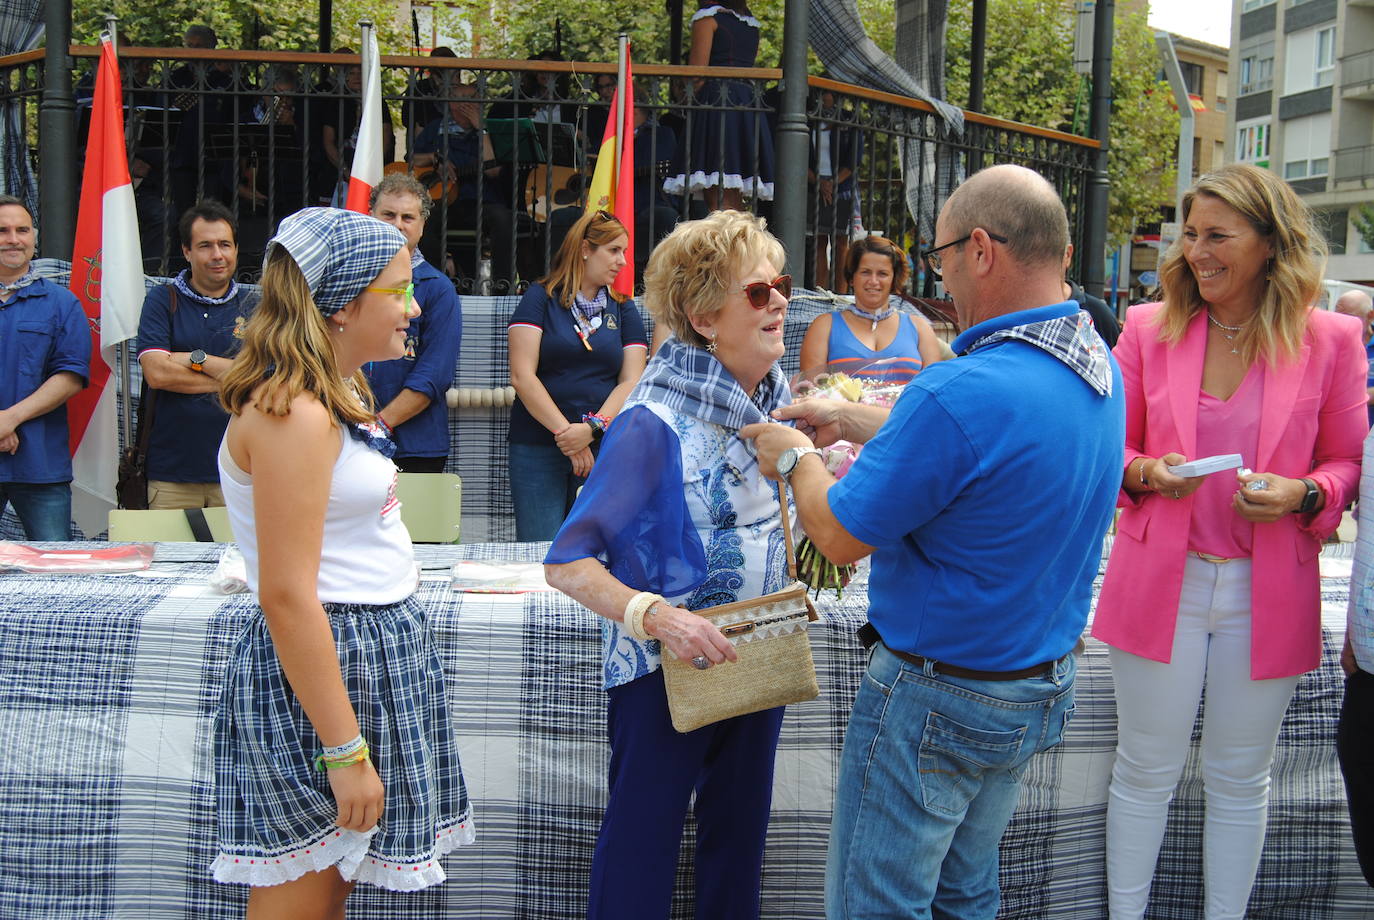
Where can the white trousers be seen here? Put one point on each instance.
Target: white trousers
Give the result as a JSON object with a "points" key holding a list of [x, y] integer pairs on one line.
{"points": [[1156, 707]]}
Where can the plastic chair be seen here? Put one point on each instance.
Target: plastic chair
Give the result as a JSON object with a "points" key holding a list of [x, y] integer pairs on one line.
{"points": [[166, 526], [431, 505]]}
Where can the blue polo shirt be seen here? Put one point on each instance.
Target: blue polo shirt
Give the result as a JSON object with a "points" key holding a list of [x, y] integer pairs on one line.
{"points": [[187, 427], [427, 368], [43, 331], [1369, 376], [578, 380], [986, 494]]}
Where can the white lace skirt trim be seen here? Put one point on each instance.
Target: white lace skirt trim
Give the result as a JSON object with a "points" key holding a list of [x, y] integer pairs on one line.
{"points": [[751, 185], [346, 850]]}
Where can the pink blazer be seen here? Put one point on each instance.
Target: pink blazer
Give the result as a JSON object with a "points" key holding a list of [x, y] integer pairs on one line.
{"points": [[1313, 424]]}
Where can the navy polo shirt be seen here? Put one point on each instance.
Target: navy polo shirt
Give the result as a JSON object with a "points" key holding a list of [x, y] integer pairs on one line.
{"points": [[187, 427], [43, 331], [577, 380], [986, 494], [427, 368]]}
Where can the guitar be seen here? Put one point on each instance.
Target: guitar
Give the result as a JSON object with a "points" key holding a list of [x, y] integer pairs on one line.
{"points": [[432, 178]]}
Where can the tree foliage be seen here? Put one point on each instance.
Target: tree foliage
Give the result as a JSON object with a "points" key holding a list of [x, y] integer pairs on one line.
{"points": [[282, 25], [1030, 78], [1363, 219]]}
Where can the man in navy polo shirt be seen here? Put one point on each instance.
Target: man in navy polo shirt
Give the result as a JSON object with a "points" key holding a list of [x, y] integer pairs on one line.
{"points": [[410, 390], [47, 351], [983, 497], [188, 335]]}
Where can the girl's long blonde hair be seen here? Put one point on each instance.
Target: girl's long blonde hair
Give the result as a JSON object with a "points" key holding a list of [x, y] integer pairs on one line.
{"points": [[286, 351], [1293, 277]]}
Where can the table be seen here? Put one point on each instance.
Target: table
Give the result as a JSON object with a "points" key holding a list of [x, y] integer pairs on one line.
{"points": [[108, 685]]}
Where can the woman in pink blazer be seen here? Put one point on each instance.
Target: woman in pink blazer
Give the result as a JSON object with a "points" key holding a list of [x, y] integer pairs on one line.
{"points": [[1213, 579]]}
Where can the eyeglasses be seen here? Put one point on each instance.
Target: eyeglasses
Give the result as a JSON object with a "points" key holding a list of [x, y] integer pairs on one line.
{"points": [[759, 293], [408, 291], [932, 256]]}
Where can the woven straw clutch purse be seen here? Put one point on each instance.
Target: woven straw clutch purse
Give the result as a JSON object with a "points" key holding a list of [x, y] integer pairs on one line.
{"points": [[774, 667]]}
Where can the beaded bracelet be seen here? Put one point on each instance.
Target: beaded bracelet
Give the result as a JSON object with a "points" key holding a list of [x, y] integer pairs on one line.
{"points": [[598, 424]]}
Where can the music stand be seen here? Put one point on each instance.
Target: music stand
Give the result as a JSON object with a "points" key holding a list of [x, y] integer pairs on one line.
{"points": [[514, 139]]}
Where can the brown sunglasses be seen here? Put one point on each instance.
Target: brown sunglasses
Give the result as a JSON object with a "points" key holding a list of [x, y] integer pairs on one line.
{"points": [[760, 292]]}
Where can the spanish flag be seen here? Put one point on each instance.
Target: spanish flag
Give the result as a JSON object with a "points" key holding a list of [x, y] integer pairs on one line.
{"points": [[613, 182]]}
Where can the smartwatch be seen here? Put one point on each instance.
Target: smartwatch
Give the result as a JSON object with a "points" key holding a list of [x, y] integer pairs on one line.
{"points": [[198, 361], [788, 459], [1309, 501]]}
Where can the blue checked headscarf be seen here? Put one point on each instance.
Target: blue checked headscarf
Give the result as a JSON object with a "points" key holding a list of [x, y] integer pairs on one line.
{"points": [[338, 251]]}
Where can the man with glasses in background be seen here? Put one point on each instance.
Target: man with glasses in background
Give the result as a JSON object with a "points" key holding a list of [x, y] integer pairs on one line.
{"points": [[410, 390], [983, 496]]}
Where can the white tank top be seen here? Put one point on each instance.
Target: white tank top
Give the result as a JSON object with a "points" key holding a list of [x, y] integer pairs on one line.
{"points": [[366, 556]]}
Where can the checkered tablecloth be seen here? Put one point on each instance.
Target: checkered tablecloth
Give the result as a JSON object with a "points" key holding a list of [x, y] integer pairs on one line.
{"points": [[107, 686]]}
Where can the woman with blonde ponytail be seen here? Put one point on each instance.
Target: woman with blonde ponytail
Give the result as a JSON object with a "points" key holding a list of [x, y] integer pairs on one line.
{"points": [[335, 760]]}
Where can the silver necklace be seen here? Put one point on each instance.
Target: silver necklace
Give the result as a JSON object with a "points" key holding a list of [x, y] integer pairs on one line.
{"points": [[1227, 332]]}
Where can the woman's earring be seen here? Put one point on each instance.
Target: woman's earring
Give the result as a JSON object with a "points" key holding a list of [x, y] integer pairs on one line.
{"points": [[711, 345], [338, 327]]}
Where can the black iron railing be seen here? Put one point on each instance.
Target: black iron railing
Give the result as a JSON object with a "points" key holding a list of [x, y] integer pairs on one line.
{"points": [[270, 132]]}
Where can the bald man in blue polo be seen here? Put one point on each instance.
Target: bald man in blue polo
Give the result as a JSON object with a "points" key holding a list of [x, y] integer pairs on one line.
{"points": [[983, 497]]}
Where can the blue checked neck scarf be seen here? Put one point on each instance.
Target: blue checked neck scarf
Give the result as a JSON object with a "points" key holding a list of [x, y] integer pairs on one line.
{"points": [[416, 259], [876, 317], [1071, 339], [690, 380], [182, 283], [587, 313], [23, 281]]}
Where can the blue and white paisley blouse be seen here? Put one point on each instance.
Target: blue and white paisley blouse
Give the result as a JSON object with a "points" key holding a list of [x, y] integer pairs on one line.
{"points": [[677, 506]]}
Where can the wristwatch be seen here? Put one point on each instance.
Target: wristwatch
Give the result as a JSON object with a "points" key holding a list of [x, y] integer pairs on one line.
{"points": [[198, 361], [788, 459], [1309, 501]]}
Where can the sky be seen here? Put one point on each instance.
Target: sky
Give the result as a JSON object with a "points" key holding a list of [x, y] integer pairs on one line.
{"points": [[1206, 20]]}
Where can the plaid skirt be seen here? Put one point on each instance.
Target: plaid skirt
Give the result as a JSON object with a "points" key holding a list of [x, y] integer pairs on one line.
{"points": [[276, 812]]}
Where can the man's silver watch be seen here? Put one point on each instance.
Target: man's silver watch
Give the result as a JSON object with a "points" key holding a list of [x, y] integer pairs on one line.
{"points": [[788, 459]]}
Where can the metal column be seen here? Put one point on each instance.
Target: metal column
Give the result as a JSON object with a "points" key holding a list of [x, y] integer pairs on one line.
{"points": [[793, 141], [57, 180], [1095, 215]]}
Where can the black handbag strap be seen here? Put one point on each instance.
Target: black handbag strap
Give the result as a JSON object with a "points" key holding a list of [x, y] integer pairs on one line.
{"points": [[199, 526], [147, 401]]}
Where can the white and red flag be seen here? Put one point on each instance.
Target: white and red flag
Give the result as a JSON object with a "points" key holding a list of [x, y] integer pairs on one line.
{"points": [[107, 277], [366, 171]]}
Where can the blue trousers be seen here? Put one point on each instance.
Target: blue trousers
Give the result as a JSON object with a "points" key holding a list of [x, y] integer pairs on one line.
{"points": [[44, 508], [929, 777], [542, 488], [654, 771]]}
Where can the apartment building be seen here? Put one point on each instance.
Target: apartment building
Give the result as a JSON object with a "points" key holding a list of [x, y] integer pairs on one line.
{"points": [[1304, 108]]}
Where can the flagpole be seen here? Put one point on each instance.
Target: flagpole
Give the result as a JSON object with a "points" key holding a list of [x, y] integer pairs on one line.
{"points": [[620, 98], [126, 413]]}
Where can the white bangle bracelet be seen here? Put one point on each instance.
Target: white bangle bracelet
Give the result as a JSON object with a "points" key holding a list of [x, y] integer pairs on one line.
{"points": [[634, 614]]}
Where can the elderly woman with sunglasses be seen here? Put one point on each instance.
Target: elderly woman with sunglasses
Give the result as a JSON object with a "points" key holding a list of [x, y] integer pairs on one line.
{"points": [[675, 517], [577, 346]]}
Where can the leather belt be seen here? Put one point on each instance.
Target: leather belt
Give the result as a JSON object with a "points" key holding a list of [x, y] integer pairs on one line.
{"points": [[1215, 560], [868, 635]]}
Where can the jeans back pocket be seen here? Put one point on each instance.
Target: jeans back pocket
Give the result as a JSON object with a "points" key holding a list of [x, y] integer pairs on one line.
{"points": [[954, 759]]}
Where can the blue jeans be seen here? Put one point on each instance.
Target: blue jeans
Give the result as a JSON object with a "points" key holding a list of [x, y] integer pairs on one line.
{"points": [[929, 778], [543, 488], [44, 508]]}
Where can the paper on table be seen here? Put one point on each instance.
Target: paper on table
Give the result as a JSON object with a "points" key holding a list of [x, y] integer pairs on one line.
{"points": [[498, 577], [111, 560], [1207, 465]]}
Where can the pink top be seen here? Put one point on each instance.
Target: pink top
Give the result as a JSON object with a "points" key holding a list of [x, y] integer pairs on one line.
{"points": [[1226, 426]]}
